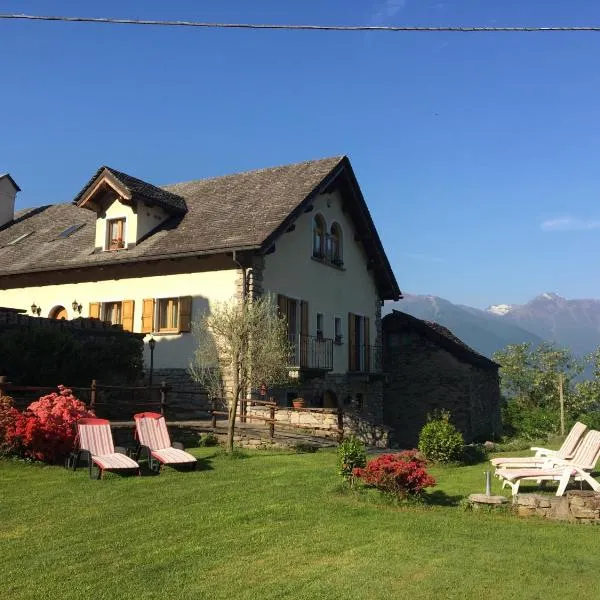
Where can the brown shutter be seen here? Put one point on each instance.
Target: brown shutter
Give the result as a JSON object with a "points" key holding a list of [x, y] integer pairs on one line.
{"points": [[148, 315], [303, 332], [94, 310], [351, 342], [367, 343], [185, 313], [282, 305], [127, 309]]}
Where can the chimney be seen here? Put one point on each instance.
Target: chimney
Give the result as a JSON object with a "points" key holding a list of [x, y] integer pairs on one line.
{"points": [[8, 193]]}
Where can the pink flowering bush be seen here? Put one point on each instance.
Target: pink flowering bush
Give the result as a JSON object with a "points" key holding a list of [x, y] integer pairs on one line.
{"points": [[9, 416], [46, 430], [402, 475]]}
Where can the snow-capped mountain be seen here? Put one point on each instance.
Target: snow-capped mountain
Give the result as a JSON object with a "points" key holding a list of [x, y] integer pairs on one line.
{"points": [[570, 323]]}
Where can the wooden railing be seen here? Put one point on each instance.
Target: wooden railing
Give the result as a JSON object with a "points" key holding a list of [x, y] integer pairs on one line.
{"points": [[94, 396]]}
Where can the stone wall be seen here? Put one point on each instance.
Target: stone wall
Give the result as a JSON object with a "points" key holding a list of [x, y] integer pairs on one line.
{"points": [[324, 423], [422, 377], [186, 399], [576, 506]]}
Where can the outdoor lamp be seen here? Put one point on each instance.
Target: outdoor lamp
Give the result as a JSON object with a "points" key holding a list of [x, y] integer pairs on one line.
{"points": [[76, 306], [152, 344], [36, 310]]}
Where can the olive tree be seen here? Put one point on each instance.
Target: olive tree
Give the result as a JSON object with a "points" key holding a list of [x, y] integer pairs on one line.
{"points": [[241, 344]]}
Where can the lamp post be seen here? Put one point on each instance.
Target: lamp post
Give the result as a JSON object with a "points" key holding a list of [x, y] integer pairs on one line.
{"points": [[151, 344]]}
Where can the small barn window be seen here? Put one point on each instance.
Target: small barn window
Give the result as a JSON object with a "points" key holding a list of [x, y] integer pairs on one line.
{"points": [[334, 245]]}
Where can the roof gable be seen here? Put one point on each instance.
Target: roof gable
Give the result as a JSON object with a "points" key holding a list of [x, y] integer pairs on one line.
{"points": [[397, 321], [9, 178], [130, 189]]}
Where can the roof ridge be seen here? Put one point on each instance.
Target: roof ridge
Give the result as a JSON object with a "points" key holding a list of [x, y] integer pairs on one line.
{"points": [[338, 157]]}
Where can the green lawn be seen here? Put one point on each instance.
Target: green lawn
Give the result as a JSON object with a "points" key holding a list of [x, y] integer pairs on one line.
{"points": [[273, 526]]}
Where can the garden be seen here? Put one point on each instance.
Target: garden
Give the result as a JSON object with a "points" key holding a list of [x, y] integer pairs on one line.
{"points": [[262, 524]]}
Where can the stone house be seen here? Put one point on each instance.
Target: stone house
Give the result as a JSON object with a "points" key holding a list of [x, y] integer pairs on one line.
{"points": [[427, 368], [153, 259]]}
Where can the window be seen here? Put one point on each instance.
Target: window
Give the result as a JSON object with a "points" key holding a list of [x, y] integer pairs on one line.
{"points": [[168, 314], [21, 237], [115, 236], [337, 328], [113, 312], [334, 245], [319, 234], [319, 325], [70, 231], [358, 343]]}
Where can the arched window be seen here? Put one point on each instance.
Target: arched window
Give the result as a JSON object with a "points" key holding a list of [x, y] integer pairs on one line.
{"points": [[334, 243], [59, 313], [319, 234]]}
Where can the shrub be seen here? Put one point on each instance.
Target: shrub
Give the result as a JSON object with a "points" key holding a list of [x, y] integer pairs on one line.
{"points": [[351, 454], [530, 423], [401, 475], [473, 454], [439, 440], [46, 430], [9, 415], [208, 439]]}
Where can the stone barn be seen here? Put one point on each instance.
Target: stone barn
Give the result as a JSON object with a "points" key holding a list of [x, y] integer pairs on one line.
{"points": [[427, 367]]}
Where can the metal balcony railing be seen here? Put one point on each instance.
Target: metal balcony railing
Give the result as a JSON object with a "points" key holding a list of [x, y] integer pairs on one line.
{"points": [[310, 352], [365, 359]]}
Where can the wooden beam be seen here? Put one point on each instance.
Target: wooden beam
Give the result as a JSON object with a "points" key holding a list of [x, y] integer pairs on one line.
{"points": [[291, 228]]}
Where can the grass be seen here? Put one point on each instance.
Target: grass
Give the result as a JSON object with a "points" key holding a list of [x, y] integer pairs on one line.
{"points": [[273, 526]]}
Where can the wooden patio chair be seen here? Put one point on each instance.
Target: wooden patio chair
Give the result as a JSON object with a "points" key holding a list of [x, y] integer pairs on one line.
{"points": [[565, 452], [556, 469], [153, 438], [94, 439]]}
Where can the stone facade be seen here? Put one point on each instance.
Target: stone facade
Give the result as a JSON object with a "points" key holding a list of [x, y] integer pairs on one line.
{"points": [[427, 368], [186, 399], [580, 506]]}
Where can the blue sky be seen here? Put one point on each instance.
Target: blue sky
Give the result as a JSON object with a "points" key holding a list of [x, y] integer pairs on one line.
{"points": [[478, 154]]}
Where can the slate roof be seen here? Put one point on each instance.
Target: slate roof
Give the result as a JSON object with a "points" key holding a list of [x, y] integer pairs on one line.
{"points": [[140, 190], [438, 334], [244, 211]]}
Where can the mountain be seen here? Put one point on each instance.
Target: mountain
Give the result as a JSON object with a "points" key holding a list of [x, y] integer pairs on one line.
{"points": [[571, 323], [483, 330]]}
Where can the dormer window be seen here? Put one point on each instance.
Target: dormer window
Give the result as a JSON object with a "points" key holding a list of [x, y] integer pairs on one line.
{"points": [[115, 234]]}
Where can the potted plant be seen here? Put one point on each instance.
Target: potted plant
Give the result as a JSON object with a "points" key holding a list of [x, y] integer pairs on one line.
{"points": [[298, 403]]}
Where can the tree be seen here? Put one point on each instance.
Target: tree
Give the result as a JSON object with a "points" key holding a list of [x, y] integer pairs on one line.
{"points": [[240, 346], [540, 377]]}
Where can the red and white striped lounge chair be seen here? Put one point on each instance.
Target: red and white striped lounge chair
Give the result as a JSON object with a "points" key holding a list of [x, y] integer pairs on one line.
{"points": [[94, 438], [565, 452], [555, 469], [153, 437]]}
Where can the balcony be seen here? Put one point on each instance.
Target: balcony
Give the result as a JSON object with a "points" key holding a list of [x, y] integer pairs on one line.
{"points": [[365, 359], [311, 353]]}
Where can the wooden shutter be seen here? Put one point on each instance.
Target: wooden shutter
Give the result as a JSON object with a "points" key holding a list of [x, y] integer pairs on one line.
{"points": [[127, 309], [282, 305], [351, 342], [185, 313], [303, 333], [367, 343], [148, 315], [94, 310]]}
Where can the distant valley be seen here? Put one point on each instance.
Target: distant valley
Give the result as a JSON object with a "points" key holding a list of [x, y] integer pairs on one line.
{"points": [[548, 317]]}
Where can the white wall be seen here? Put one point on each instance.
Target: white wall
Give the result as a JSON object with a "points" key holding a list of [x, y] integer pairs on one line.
{"points": [[291, 271], [172, 351], [7, 201]]}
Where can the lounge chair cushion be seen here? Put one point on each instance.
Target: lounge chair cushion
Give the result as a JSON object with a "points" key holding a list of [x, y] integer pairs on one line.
{"points": [[115, 461], [152, 431], [513, 474], [170, 456], [523, 461]]}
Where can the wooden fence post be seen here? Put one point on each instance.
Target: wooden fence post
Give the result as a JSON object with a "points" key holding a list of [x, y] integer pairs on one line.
{"points": [[163, 397], [2, 384], [272, 421], [213, 414], [93, 394], [243, 410], [340, 423]]}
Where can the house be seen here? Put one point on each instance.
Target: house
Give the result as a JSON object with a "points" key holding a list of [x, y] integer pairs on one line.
{"points": [[427, 368], [153, 259]]}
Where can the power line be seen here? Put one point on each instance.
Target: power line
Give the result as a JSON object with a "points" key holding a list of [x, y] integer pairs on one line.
{"points": [[206, 25]]}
